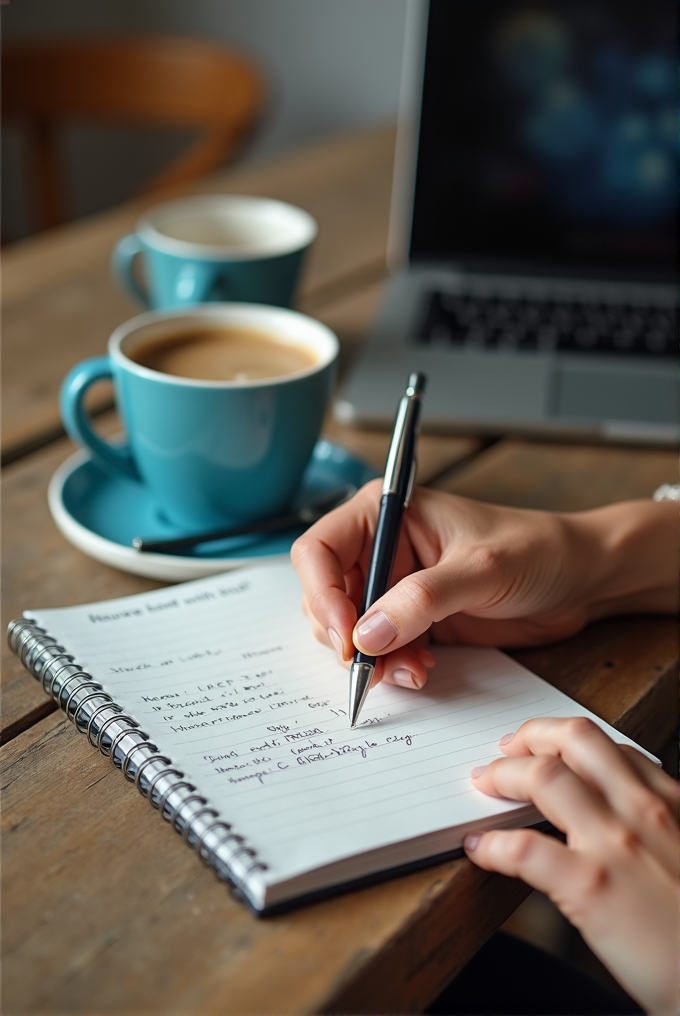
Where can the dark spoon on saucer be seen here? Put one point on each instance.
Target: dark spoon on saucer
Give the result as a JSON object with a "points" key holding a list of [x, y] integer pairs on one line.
{"points": [[304, 516]]}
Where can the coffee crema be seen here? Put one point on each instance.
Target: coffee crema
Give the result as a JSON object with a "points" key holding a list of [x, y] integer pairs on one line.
{"points": [[223, 354]]}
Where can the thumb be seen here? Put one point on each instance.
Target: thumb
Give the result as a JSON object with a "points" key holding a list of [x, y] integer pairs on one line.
{"points": [[411, 606]]}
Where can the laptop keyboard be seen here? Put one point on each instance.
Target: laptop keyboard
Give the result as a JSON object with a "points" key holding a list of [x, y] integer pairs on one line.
{"points": [[475, 322]]}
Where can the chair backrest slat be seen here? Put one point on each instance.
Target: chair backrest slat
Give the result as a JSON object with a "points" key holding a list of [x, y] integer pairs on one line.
{"points": [[163, 82]]}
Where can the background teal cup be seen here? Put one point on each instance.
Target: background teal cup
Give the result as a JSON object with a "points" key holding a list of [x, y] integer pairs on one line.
{"points": [[210, 452], [214, 249]]}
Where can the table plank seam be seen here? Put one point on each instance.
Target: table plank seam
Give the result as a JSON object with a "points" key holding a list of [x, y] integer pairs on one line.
{"points": [[485, 443], [23, 723], [41, 439]]}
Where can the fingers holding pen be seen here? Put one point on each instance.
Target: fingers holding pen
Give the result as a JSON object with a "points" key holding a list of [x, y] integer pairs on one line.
{"points": [[326, 603], [406, 667], [331, 560], [339, 617], [403, 614], [422, 598], [445, 571], [327, 558]]}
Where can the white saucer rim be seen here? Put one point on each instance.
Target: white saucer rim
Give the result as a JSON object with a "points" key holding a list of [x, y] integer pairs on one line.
{"points": [[168, 567]]}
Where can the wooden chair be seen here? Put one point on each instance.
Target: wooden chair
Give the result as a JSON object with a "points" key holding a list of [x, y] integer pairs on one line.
{"points": [[165, 82]]}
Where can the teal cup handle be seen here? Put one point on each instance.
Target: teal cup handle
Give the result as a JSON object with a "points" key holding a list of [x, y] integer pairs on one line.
{"points": [[122, 265], [116, 460], [177, 283]]}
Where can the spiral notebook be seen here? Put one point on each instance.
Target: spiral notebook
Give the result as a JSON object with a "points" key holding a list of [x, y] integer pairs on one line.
{"points": [[215, 701]]}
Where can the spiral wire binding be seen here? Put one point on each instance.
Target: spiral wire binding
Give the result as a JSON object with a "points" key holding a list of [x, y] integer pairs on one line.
{"points": [[107, 728]]}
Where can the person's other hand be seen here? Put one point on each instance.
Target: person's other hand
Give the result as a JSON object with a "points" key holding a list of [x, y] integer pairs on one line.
{"points": [[616, 879], [479, 574]]}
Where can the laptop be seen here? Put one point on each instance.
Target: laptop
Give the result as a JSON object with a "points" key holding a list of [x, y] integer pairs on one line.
{"points": [[533, 223]]}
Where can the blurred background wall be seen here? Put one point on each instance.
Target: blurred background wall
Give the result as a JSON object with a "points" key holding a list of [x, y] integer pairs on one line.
{"points": [[330, 65]]}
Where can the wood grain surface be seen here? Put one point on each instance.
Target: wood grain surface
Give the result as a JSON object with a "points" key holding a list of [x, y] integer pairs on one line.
{"points": [[105, 910], [391, 946], [561, 477], [624, 668]]}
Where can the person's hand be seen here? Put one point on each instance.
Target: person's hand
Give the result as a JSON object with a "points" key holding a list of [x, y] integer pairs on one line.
{"points": [[616, 879], [480, 574]]}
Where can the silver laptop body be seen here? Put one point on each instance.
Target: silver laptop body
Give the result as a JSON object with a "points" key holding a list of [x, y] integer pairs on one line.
{"points": [[557, 315]]}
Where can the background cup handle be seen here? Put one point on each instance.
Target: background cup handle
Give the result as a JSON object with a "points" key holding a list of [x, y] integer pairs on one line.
{"points": [[114, 459], [122, 265]]}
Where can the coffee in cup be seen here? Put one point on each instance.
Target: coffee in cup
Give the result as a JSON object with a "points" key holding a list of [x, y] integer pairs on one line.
{"points": [[224, 354], [212, 450]]}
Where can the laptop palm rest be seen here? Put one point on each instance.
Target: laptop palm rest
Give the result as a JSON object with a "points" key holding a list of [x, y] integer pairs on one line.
{"points": [[463, 387], [588, 391]]}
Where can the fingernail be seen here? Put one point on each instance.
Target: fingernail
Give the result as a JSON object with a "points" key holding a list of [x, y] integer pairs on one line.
{"points": [[477, 771], [337, 642], [426, 657], [506, 738], [471, 842], [375, 632], [406, 679]]}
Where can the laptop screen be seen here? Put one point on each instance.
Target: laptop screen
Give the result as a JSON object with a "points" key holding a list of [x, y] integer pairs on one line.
{"points": [[548, 138]]}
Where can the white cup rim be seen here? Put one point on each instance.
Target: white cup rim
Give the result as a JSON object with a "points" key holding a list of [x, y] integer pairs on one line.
{"points": [[303, 330], [304, 226]]}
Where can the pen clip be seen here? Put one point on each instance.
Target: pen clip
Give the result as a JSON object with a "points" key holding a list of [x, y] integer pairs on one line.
{"points": [[411, 482], [405, 432], [395, 455]]}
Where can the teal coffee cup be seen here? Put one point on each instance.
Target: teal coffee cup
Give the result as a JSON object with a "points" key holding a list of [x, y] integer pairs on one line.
{"points": [[214, 249], [222, 405]]}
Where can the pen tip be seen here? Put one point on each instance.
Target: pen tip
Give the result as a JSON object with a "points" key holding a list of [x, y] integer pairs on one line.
{"points": [[360, 677]]}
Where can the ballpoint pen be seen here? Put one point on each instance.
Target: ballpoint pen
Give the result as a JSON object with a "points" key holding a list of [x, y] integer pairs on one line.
{"points": [[400, 471], [307, 513]]}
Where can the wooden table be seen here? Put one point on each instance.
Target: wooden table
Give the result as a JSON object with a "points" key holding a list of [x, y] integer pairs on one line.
{"points": [[104, 910]]}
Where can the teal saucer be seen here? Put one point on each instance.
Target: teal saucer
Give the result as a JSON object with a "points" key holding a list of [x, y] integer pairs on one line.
{"points": [[101, 515]]}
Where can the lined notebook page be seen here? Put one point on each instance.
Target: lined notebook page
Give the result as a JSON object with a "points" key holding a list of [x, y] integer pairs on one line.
{"points": [[227, 679]]}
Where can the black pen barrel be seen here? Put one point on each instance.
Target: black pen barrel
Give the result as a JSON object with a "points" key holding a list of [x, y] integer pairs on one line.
{"points": [[384, 549], [382, 558]]}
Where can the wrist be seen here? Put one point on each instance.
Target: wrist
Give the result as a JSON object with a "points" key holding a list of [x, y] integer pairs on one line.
{"points": [[629, 555]]}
